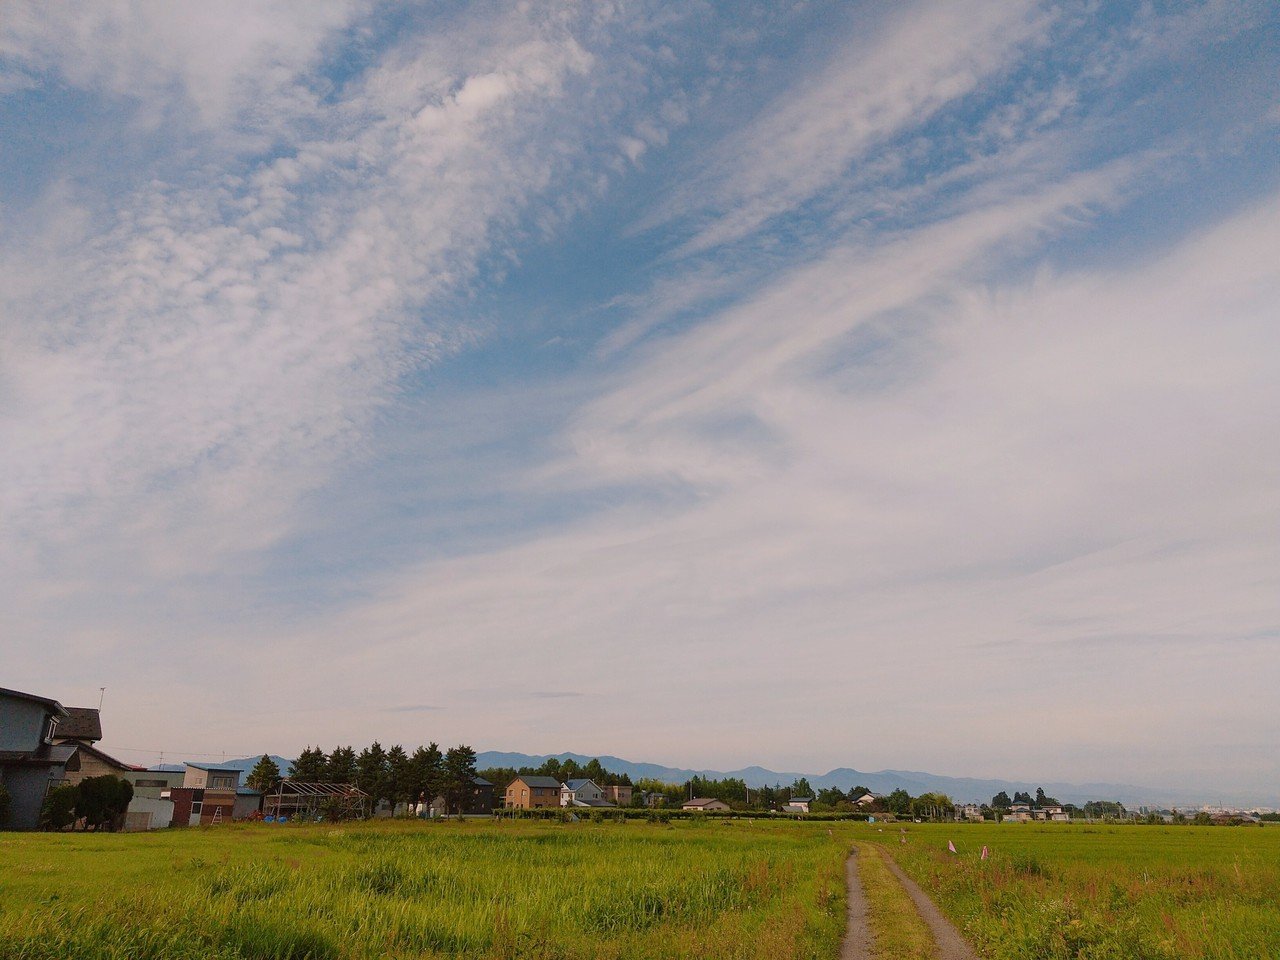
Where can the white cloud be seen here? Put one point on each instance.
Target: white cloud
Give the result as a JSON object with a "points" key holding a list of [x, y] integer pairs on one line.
{"points": [[179, 369], [881, 82], [224, 60], [1064, 474]]}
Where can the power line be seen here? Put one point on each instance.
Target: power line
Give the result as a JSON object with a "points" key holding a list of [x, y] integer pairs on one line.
{"points": [[187, 753]]}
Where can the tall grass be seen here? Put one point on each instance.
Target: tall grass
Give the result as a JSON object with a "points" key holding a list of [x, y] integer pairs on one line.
{"points": [[400, 890], [1075, 892]]}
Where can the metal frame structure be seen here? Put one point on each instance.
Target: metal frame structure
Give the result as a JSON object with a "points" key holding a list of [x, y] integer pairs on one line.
{"points": [[295, 798]]}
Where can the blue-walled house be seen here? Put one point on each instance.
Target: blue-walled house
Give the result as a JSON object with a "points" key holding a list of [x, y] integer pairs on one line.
{"points": [[31, 759]]}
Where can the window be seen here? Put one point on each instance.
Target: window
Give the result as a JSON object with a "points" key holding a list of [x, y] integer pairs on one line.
{"points": [[196, 807]]}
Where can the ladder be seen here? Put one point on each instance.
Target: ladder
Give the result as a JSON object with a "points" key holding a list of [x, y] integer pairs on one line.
{"points": [[217, 816]]}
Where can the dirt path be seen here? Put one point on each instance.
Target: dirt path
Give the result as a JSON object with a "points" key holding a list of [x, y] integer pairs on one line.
{"points": [[857, 931], [951, 946]]}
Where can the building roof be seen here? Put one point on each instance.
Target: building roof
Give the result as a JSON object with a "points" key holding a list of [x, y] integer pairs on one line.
{"points": [[702, 801], [211, 768], [592, 802], [46, 755], [481, 782], [801, 800], [47, 702], [81, 723], [105, 757], [579, 784], [539, 781]]}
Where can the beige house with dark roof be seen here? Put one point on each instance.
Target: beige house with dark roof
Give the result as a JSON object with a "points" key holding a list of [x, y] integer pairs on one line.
{"points": [[705, 804]]}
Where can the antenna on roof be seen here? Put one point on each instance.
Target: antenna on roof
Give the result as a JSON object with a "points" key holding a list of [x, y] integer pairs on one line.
{"points": [[102, 692]]}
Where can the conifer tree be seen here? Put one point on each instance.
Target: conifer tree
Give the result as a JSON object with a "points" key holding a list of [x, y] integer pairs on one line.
{"points": [[459, 774], [264, 776], [371, 771], [310, 767], [341, 766], [426, 766]]}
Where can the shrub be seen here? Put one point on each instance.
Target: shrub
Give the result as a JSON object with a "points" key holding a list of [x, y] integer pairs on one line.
{"points": [[59, 809]]}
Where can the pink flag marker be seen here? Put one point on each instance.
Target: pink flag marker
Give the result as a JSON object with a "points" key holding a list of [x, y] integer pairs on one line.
{"points": [[984, 851], [951, 846]]}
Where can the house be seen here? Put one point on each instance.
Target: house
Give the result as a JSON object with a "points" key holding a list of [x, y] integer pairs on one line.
{"points": [[527, 792], [207, 795], [653, 798], [203, 775], [1019, 813], [81, 723], [32, 762], [152, 783], [150, 808], [619, 794], [88, 761], [867, 799], [479, 802], [797, 805], [705, 805], [970, 811], [582, 793], [1053, 813]]}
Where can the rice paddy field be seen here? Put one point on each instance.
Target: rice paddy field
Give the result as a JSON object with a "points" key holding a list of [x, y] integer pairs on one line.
{"points": [[711, 889], [1059, 891], [412, 889]]}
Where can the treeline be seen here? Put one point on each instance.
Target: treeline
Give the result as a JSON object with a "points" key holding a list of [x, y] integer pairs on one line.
{"points": [[393, 775], [562, 770]]}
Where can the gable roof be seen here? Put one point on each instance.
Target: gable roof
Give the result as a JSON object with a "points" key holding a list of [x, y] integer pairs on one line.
{"points": [[579, 784], [702, 801], [53, 706], [81, 723], [212, 768], [104, 757], [531, 781]]}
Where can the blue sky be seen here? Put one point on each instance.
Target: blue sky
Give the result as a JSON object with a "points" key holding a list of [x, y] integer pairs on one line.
{"points": [[850, 384]]}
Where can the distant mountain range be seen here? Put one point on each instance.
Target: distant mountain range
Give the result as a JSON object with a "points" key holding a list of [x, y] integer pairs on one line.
{"points": [[915, 782]]}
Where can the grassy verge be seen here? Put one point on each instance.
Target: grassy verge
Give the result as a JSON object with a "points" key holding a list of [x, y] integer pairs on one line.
{"points": [[897, 931], [400, 890], [1076, 892]]}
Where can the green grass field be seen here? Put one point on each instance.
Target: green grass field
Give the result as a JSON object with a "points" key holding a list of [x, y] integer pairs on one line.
{"points": [[1058, 891], [715, 889], [527, 890]]}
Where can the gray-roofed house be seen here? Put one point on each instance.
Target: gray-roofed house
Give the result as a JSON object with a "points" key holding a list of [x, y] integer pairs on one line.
{"points": [[582, 793], [31, 762], [527, 792]]}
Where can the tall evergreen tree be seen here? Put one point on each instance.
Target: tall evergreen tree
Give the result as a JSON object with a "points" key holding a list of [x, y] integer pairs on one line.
{"points": [[310, 767], [399, 779], [459, 774], [341, 766], [371, 771], [264, 776], [427, 765]]}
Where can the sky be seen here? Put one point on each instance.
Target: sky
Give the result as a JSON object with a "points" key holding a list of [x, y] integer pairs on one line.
{"points": [[811, 385]]}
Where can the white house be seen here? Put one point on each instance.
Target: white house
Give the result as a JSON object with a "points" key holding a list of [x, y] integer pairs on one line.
{"points": [[582, 793]]}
